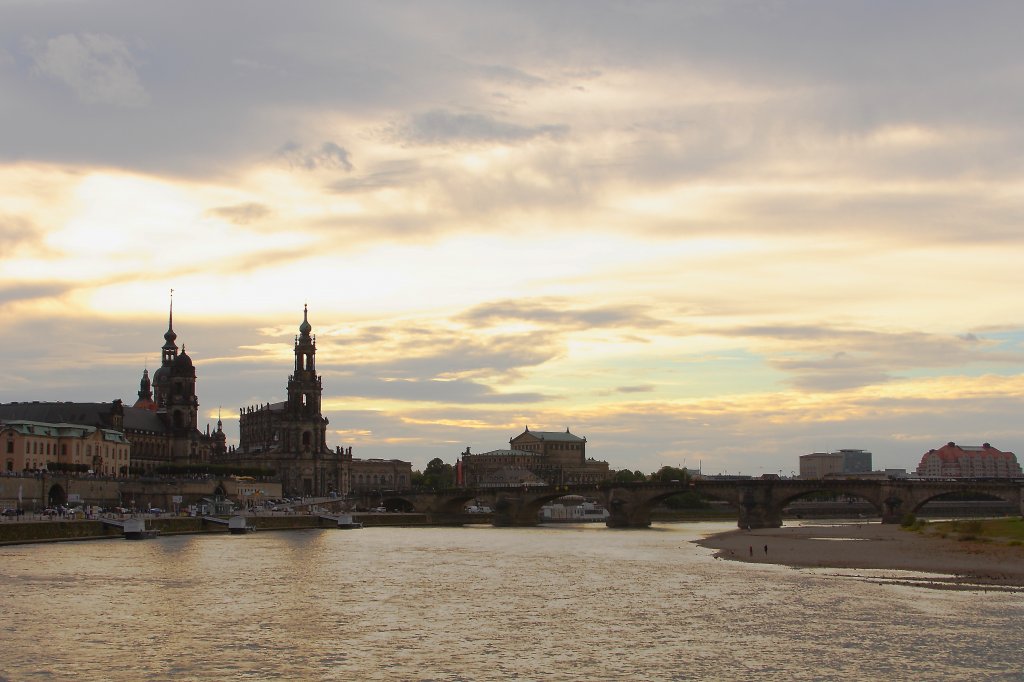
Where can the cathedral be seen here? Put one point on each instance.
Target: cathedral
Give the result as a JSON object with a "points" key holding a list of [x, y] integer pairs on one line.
{"points": [[290, 437]]}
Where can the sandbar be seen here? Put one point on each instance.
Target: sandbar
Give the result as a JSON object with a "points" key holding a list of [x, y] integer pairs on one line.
{"points": [[952, 563]]}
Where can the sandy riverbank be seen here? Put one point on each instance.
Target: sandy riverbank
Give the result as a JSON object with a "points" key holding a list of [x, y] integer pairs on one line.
{"points": [[949, 562]]}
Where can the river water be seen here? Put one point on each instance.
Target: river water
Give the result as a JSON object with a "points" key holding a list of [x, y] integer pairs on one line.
{"points": [[478, 603]]}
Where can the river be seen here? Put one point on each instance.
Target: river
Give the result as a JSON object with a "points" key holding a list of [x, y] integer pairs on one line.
{"points": [[478, 603]]}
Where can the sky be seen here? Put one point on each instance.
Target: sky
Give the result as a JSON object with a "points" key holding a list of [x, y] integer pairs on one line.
{"points": [[707, 234]]}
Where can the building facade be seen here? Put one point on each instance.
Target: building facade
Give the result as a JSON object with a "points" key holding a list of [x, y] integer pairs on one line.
{"points": [[968, 461], [368, 475], [844, 462], [533, 458], [499, 468], [39, 446]]}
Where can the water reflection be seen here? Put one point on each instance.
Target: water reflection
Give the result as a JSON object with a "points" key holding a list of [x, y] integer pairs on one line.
{"points": [[477, 603]]}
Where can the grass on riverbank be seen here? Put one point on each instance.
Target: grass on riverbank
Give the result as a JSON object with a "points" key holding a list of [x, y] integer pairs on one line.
{"points": [[1006, 530]]}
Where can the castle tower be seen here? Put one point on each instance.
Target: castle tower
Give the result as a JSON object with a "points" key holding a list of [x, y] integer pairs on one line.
{"points": [[168, 354], [181, 403]]}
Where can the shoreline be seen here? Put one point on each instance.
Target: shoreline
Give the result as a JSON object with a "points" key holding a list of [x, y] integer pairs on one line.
{"points": [[948, 562]]}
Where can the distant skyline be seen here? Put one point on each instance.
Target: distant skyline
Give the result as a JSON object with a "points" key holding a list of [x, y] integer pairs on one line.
{"points": [[727, 233]]}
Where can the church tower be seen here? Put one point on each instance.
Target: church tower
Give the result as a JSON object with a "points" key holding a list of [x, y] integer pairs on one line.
{"points": [[181, 403], [145, 400], [168, 353], [290, 437], [305, 388]]}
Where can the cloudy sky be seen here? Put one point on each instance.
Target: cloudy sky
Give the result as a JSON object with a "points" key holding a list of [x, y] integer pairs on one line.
{"points": [[726, 233]]}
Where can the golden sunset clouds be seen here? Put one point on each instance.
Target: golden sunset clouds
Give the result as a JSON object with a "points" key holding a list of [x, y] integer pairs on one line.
{"points": [[679, 231]]}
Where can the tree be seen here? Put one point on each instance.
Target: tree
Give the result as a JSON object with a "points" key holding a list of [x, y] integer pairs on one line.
{"points": [[627, 476], [667, 474], [436, 475]]}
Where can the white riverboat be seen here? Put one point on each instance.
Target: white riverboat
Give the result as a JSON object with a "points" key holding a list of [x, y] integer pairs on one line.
{"points": [[345, 522], [239, 525], [573, 509], [135, 529]]}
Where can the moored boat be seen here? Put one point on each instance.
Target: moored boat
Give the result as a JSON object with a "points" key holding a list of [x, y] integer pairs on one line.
{"points": [[345, 522], [135, 529], [239, 525]]}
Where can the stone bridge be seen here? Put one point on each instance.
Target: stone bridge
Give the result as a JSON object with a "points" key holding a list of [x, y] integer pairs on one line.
{"points": [[758, 503]]}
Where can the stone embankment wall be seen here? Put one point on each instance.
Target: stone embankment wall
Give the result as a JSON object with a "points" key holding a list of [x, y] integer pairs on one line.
{"points": [[15, 532], [34, 491]]}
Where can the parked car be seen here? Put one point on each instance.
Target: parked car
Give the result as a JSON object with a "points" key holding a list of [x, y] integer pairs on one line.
{"points": [[10, 512]]}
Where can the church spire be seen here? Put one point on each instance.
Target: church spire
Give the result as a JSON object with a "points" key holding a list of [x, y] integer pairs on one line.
{"points": [[170, 350], [145, 390], [305, 328]]}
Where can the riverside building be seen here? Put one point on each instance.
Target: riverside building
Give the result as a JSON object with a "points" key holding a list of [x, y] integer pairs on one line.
{"points": [[968, 461], [533, 458], [161, 427], [824, 464], [39, 446], [290, 438]]}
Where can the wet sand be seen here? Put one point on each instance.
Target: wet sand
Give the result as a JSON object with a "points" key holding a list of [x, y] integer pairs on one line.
{"points": [[949, 562]]}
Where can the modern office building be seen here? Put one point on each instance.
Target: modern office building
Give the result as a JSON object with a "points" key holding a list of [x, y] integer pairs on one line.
{"points": [[823, 464]]}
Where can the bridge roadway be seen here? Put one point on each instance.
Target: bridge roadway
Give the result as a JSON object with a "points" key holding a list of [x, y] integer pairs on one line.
{"points": [[758, 503]]}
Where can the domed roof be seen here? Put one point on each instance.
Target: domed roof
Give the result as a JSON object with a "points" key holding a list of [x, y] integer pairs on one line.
{"points": [[305, 328], [159, 375], [146, 404], [183, 361]]}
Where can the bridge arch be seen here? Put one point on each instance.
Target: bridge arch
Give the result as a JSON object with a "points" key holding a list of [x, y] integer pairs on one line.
{"points": [[397, 503], [852, 494], [56, 495], [964, 493], [516, 509]]}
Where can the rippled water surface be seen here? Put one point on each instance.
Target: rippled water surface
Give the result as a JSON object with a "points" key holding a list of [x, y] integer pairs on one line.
{"points": [[477, 603]]}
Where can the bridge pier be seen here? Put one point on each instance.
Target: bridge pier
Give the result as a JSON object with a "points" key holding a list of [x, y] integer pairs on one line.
{"points": [[759, 517], [758, 509], [513, 512], [892, 510], [624, 513]]}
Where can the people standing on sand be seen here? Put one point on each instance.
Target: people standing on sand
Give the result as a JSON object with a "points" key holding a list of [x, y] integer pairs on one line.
{"points": [[766, 550]]}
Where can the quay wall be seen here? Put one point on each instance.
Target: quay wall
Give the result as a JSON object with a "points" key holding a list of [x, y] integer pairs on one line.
{"points": [[33, 491], [25, 532]]}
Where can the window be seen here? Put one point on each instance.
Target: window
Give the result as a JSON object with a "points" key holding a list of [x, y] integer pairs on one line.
{"points": [[10, 447]]}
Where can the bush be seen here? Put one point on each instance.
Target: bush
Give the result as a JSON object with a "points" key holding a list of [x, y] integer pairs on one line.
{"points": [[909, 521]]}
